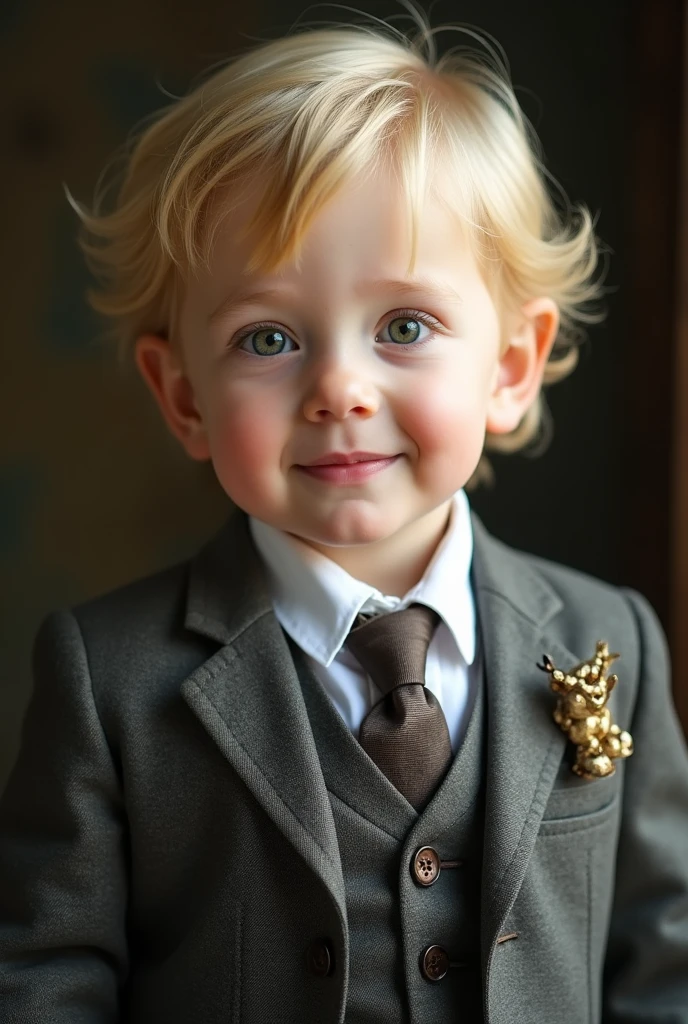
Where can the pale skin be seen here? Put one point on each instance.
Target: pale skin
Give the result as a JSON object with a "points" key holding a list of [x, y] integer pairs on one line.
{"points": [[347, 372]]}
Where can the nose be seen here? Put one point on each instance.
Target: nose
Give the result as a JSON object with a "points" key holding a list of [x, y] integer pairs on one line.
{"points": [[339, 390]]}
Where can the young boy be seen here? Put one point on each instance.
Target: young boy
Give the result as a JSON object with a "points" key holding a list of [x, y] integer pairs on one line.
{"points": [[314, 775]]}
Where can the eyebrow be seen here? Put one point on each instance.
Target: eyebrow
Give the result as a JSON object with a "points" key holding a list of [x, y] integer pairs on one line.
{"points": [[426, 285]]}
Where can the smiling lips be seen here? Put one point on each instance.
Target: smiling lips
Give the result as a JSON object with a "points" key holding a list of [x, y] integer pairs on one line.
{"points": [[341, 468], [344, 458]]}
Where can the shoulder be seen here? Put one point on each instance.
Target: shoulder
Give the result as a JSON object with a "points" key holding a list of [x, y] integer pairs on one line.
{"points": [[142, 609], [575, 607], [518, 572], [576, 589], [585, 596], [130, 643], [619, 614]]}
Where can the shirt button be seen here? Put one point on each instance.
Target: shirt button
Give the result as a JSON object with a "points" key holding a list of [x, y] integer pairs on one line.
{"points": [[434, 963], [426, 865], [319, 958]]}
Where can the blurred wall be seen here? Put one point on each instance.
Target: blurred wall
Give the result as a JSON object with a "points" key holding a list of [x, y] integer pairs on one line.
{"points": [[93, 492]]}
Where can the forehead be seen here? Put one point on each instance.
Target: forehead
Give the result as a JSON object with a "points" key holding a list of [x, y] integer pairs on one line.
{"points": [[360, 238]]}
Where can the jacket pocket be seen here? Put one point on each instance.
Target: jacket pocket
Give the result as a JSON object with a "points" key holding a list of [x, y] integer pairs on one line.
{"points": [[576, 798], [567, 813]]}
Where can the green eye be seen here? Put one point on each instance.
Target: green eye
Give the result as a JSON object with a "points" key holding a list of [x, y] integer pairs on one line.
{"points": [[272, 344], [404, 330]]}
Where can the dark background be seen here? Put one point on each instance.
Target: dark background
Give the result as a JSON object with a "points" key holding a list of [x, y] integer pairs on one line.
{"points": [[94, 492]]}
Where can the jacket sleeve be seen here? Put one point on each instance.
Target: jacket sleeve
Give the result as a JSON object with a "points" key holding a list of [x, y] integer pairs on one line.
{"points": [[646, 976], [63, 862]]}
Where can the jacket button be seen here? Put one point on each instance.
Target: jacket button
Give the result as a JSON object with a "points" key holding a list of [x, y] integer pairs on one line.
{"points": [[434, 963], [426, 865], [319, 959]]}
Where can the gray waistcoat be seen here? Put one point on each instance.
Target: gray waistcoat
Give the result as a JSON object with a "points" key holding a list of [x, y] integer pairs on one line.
{"points": [[393, 919]]}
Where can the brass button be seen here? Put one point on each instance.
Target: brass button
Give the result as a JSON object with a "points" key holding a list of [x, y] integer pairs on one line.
{"points": [[319, 958], [426, 865]]}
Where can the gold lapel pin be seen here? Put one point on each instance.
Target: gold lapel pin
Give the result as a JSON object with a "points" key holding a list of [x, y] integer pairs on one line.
{"points": [[581, 712]]}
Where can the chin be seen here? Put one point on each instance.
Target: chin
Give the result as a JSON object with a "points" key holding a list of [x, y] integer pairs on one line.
{"points": [[346, 528]]}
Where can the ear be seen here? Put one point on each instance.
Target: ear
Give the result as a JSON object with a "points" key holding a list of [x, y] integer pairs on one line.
{"points": [[522, 364], [163, 371]]}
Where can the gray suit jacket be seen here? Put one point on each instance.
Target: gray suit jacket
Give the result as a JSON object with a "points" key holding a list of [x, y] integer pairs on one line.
{"points": [[168, 850]]}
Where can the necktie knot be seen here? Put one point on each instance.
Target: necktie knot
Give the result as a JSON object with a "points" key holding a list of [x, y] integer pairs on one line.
{"points": [[393, 648]]}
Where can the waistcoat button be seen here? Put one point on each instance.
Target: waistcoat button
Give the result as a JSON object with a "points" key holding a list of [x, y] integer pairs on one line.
{"points": [[319, 959], [434, 963], [426, 865]]}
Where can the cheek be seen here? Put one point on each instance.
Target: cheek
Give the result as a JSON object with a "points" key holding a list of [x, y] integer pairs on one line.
{"points": [[444, 414], [246, 435]]}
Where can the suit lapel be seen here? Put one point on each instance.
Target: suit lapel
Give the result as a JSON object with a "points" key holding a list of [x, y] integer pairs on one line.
{"points": [[248, 698], [524, 747]]}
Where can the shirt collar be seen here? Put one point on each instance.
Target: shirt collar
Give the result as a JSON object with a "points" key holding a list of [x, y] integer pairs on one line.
{"points": [[316, 601]]}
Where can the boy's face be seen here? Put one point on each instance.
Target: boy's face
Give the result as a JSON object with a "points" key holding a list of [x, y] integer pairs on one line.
{"points": [[332, 362]]}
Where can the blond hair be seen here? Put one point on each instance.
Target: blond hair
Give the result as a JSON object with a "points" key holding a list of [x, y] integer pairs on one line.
{"points": [[321, 106]]}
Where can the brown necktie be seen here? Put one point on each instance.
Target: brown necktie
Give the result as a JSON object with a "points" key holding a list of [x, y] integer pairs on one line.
{"points": [[405, 733]]}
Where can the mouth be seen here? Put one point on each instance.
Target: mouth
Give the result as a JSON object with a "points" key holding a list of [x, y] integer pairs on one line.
{"points": [[351, 471], [347, 458]]}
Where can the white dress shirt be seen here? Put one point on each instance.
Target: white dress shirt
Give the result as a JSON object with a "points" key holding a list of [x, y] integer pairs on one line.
{"points": [[316, 603]]}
